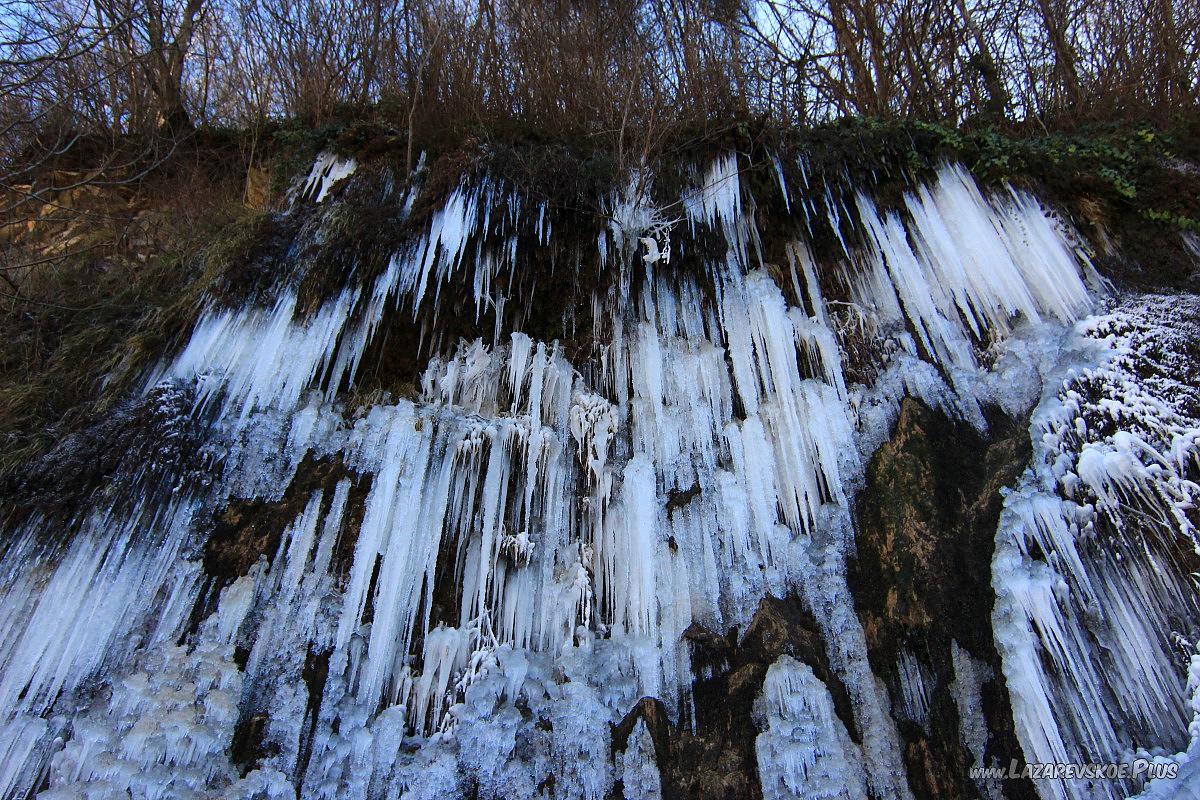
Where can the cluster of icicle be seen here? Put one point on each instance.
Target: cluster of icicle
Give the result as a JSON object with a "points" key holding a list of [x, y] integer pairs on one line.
{"points": [[1094, 608], [538, 488]]}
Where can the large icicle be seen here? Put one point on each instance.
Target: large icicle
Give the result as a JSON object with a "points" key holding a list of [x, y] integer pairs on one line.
{"points": [[963, 267]]}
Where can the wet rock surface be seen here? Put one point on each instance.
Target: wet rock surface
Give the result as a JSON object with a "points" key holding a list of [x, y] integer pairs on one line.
{"points": [[922, 584], [247, 530], [146, 444]]}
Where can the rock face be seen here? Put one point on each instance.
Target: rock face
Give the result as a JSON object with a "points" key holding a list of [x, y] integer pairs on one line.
{"points": [[922, 582], [248, 530], [474, 495]]}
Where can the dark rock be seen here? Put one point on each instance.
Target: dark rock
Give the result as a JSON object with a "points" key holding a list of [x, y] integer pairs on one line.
{"points": [[651, 711], [249, 743], [250, 529], [147, 445], [785, 627], [927, 522], [678, 498]]}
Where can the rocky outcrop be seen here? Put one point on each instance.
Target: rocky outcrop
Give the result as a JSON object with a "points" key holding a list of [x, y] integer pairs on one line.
{"points": [[922, 584]]}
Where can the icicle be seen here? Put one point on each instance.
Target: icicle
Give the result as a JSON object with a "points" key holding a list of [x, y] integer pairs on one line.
{"points": [[717, 202], [964, 267], [60, 627], [626, 552], [327, 170], [967, 689], [639, 771], [914, 689]]}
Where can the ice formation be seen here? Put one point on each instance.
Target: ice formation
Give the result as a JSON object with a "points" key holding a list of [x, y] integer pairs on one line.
{"points": [[640, 779], [1087, 552], [509, 560], [327, 171], [804, 749]]}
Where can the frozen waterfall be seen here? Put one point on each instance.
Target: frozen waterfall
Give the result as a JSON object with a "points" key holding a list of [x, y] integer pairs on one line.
{"points": [[490, 572]]}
